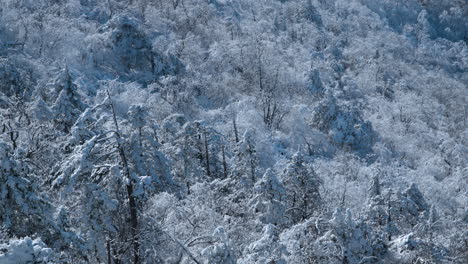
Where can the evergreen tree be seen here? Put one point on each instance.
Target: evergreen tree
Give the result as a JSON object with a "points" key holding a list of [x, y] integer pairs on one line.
{"points": [[267, 203], [131, 45], [345, 128], [245, 160], [316, 86], [302, 188], [68, 104], [183, 141]]}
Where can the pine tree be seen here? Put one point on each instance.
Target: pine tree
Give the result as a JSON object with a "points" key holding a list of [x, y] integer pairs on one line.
{"points": [[316, 86], [67, 105], [302, 185], [131, 44], [183, 142], [145, 156], [245, 160], [345, 128], [267, 203]]}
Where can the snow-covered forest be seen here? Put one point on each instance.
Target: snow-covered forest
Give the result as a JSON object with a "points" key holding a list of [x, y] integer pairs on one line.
{"points": [[233, 131]]}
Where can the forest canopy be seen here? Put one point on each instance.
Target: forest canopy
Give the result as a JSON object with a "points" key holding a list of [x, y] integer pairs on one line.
{"points": [[233, 131]]}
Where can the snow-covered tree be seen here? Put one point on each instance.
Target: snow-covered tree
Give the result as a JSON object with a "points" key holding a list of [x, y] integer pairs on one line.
{"points": [[16, 78], [354, 240], [145, 156], [302, 189], [345, 128], [267, 249], [67, 105], [267, 203], [110, 173], [245, 160], [302, 242], [27, 250], [221, 251], [150, 173], [316, 86], [187, 144], [130, 44], [24, 211]]}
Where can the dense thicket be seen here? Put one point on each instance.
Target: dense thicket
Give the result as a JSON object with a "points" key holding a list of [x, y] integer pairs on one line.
{"points": [[221, 131]]}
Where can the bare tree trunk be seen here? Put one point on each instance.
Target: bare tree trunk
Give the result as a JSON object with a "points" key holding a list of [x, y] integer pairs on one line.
{"points": [[186, 174], [13, 137], [389, 216], [343, 197], [224, 162], [207, 155], [140, 136], [109, 255], [200, 148], [236, 134], [252, 164], [130, 186], [306, 207]]}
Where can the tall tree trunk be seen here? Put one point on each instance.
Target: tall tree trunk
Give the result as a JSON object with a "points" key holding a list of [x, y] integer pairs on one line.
{"points": [[252, 164], [207, 155], [109, 255], [224, 162], [236, 134], [130, 186]]}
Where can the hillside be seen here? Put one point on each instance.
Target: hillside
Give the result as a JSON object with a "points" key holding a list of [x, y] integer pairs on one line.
{"points": [[234, 131]]}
